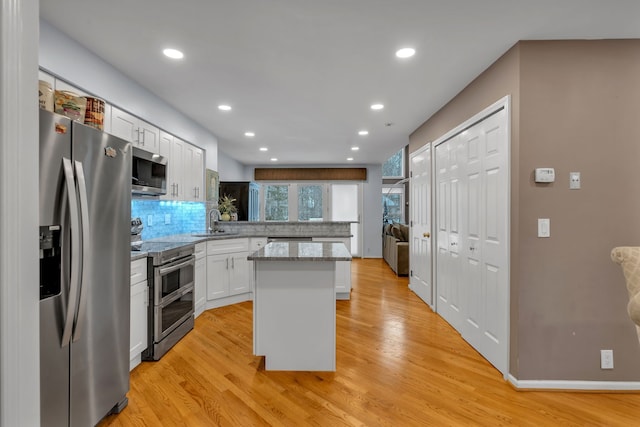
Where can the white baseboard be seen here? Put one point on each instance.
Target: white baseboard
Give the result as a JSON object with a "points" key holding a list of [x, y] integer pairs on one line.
{"points": [[574, 385]]}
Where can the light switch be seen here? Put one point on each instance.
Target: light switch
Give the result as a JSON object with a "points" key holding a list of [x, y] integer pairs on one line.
{"points": [[574, 180], [167, 218], [149, 220], [544, 227]]}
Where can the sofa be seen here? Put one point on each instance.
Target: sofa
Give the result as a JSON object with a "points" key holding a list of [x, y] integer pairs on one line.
{"points": [[395, 247]]}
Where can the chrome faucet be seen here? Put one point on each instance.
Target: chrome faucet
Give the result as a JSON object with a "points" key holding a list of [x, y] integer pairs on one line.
{"points": [[213, 224]]}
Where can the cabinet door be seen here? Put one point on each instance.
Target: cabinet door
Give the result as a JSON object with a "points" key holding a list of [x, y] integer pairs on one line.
{"points": [[239, 273], [200, 285], [217, 276], [193, 173], [177, 168], [139, 304], [124, 125], [197, 173], [164, 148], [148, 137]]}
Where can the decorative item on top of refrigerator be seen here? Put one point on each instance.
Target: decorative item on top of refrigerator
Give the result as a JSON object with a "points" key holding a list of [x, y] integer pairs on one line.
{"points": [[70, 104]]}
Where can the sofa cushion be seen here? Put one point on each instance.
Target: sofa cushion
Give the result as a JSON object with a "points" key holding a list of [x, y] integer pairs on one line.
{"points": [[400, 232], [404, 229], [395, 231]]}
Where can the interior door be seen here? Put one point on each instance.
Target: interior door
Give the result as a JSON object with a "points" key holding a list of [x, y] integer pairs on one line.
{"points": [[421, 256], [488, 314], [448, 227]]}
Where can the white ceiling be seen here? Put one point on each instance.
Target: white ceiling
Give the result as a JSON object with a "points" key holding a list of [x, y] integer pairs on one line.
{"points": [[302, 74]]}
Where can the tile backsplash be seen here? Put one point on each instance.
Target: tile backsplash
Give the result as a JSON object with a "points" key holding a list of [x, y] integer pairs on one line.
{"points": [[163, 218]]}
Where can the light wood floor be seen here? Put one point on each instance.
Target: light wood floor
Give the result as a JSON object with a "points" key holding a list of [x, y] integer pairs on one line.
{"points": [[398, 364]]}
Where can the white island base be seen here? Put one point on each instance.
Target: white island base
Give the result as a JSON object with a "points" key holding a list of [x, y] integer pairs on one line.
{"points": [[294, 315]]}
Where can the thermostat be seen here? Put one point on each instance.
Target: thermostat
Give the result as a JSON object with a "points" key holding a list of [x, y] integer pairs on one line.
{"points": [[545, 175]]}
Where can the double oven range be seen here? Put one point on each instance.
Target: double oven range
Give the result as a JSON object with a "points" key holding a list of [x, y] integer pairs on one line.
{"points": [[171, 273]]}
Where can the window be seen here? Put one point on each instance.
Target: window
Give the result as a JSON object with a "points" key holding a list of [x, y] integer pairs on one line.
{"points": [[394, 166], [276, 202], [319, 201], [393, 204], [310, 203]]}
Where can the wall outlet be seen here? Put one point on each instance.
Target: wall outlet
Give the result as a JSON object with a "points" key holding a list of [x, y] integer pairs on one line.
{"points": [[606, 359], [149, 220], [167, 218]]}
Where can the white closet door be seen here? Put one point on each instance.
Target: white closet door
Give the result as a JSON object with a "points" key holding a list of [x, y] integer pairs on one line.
{"points": [[448, 273], [472, 261], [494, 232], [421, 261], [473, 218]]}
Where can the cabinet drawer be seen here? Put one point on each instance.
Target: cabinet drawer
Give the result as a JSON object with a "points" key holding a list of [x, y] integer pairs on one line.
{"points": [[138, 271], [201, 250], [227, 246]]}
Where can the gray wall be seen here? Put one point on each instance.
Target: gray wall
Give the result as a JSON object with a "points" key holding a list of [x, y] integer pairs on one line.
{"points": [[575, 108], [230, 169]]}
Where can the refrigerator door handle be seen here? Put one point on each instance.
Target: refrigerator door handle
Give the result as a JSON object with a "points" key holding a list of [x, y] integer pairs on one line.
{"points": [[75, 247], [85, 238]]}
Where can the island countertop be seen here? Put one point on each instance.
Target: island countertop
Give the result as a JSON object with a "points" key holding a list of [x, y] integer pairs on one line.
{"points": [[302, 251]]}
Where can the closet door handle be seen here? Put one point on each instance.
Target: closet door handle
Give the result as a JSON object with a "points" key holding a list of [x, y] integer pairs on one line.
{"points": [[427, 235]]}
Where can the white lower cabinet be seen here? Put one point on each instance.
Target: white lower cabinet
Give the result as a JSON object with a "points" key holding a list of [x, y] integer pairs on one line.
{"points": [[228, 279], [343, 268], [200, 292], [139, 308]]}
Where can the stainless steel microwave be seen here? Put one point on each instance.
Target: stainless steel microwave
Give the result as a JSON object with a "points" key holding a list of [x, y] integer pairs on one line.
{"points": [[148, 173]]}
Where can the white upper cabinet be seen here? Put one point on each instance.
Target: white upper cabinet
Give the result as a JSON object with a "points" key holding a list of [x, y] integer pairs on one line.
{"points": [[194, 173], [172, 149], [130, 128]]}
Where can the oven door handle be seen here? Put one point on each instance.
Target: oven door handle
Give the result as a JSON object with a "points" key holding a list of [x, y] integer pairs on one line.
{"points": [[177, 265], [176, 295]]}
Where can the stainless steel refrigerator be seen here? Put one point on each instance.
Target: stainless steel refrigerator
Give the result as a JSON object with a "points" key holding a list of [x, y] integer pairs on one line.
{"points": [[85, 263]]}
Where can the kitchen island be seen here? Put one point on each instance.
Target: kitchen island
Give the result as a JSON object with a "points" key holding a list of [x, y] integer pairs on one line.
{"points": [[294, 308]]}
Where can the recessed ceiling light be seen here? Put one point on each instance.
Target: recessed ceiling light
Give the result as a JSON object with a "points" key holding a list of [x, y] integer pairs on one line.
{"points": [[224, 107], [406, 52], [274, 159], [355, 148], [173, 53], [377, 107], [264, 149], [249, 134], [349, 159], [363, 132]]}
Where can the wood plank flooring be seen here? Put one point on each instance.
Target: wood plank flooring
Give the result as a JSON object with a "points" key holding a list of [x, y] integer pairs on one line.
{"points": [[398, 364]]}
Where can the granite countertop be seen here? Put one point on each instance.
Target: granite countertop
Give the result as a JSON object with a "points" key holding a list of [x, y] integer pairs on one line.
{"points": [[136, 255], [302, 251]]}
